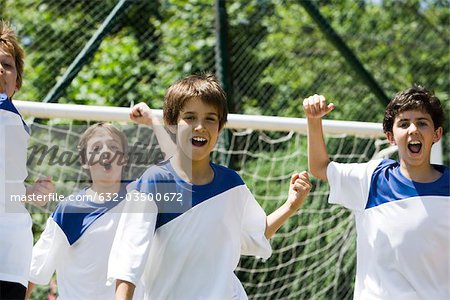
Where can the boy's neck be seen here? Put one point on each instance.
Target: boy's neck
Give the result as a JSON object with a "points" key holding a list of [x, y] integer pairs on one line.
{"points": [[422, 174], [106, 188], [195, 172]]}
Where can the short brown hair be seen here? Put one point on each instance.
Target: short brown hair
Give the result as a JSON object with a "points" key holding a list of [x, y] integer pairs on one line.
{"points": [[90, 132], [203, 86], [8, 41], [414, 98]]}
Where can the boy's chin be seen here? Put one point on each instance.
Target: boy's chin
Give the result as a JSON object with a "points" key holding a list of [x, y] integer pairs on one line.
{"points": [[107, 178], [195, 157], [414, 160]]}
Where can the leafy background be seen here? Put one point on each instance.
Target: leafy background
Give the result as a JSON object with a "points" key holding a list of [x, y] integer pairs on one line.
{"points": [[278, 56]]}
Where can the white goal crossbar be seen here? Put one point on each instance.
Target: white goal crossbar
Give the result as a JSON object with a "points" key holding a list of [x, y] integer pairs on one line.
{"points": [[235, 121]]}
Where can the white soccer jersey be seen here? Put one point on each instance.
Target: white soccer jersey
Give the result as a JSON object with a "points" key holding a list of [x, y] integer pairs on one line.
{"points": [[403, 230], [76, 243], [16, 238], [200, 235]]}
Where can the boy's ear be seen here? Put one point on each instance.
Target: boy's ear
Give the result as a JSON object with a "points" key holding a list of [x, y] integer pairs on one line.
{"points": [[437, 135], [390, 137]]}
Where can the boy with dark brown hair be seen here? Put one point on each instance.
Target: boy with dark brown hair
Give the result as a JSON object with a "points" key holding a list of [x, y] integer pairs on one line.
{"points": [[402, 209]]}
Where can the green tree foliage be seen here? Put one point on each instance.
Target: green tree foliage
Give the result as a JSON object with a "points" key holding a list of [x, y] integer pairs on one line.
{"points": [[278, 57]]}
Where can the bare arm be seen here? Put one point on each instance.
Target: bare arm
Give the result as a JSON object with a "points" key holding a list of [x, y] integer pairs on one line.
{"points": [[29, 290], [315, 108], [298, 190], [124, 290], [142, 114]]}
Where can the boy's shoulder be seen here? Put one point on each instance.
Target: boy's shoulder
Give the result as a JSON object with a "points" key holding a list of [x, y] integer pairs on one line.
{"points": [[11, 116], [227, 173], [78, 211], [160, 171], [159, 176], [387, 164]]}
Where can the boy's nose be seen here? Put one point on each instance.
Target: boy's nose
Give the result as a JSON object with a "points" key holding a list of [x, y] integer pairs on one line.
{"points": [[412, 128], [106, 156], [199, 126]]}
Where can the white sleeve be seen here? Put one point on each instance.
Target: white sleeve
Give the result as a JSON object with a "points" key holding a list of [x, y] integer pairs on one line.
{"points": [[47, 253], [131, 245], [349, 183], [253, 240], [13, 158], [2, 165]]}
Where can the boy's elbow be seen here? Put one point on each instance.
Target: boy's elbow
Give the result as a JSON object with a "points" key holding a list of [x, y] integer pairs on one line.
{"points": [[319, 172], [319, 175]]}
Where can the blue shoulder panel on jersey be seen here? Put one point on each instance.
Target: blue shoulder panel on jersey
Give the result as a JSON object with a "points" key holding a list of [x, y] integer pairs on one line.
{"points": [[74, 217], [389, 184], [9, 106], [162, 183]]}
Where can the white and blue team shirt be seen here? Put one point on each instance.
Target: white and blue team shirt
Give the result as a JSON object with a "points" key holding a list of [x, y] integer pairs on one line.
{"points": [[76, 243], [16, 238], [403, 230], [197, 242]]}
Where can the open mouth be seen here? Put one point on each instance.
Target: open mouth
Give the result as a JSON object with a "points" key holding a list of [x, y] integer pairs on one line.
{"points": [[414, 146], [108, 166], [198, 141]]}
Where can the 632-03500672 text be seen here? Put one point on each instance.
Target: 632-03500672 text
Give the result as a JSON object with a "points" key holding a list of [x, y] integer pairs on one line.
{"points": [[99, 197]]}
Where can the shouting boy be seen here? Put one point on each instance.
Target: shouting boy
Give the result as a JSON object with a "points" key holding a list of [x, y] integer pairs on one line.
{"points": [[207, 217], [402, 209]]}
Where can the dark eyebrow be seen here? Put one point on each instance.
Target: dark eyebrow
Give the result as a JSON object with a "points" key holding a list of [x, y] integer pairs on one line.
{"points": [[194, 112], [418, 119]]}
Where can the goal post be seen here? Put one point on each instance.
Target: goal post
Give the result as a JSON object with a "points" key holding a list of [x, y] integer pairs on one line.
{"points": [[235, 121]]}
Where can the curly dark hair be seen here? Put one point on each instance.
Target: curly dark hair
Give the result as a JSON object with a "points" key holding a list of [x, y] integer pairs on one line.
{"points": [[414, 98]]}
